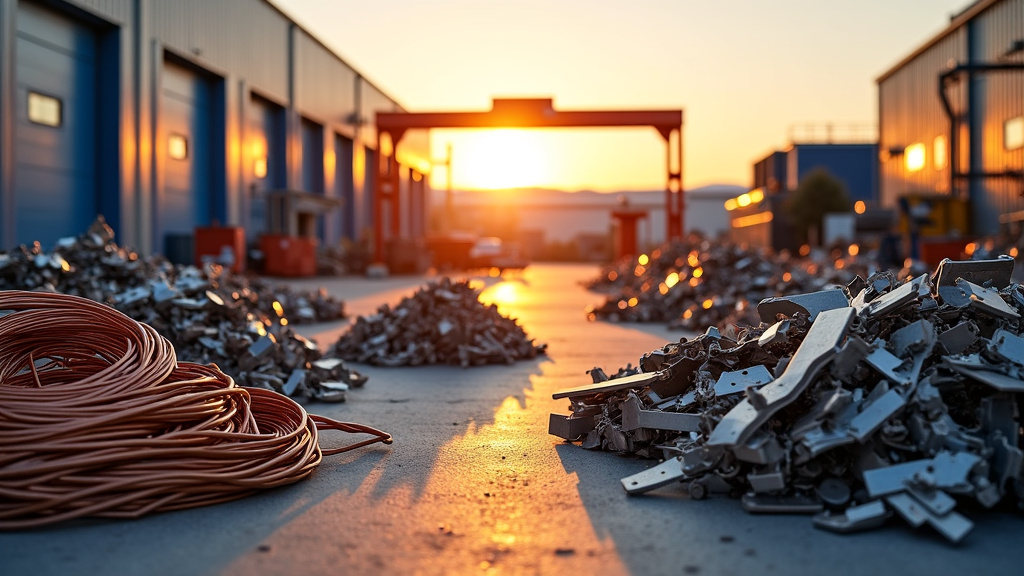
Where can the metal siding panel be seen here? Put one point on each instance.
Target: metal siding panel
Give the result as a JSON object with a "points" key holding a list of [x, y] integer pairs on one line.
{"points": [[910, 111], [55, 174], [1001, 98], [907, 114], [118, 11], [248, 38], [326, 85], [371, 101], [853, 165]]}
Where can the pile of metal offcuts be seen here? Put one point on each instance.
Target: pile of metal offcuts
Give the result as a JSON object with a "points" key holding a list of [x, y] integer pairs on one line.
{"points": [[849, 404], [696, 282], [442, 323], [209, 315]]}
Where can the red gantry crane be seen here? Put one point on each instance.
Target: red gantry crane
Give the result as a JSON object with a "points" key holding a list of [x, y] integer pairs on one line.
{"points": [[522, 113]]}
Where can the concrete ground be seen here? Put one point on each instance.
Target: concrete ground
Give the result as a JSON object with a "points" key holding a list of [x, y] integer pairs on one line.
{"points": [[473, 484]]}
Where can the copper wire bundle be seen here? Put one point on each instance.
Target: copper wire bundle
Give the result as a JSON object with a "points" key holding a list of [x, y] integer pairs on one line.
{"points": [[98, 419]]}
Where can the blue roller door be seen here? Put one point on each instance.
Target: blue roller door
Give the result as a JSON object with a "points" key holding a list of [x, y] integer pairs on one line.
{"points": [[55, 172], [313, 165], [185, 120], [345, 183], [312, 157], [269, 170]]}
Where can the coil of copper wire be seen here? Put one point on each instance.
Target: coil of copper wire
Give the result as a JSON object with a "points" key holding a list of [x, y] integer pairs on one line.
{"points": [[97, 418]]}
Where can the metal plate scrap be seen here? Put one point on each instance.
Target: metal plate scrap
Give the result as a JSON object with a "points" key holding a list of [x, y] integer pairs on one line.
{"points": [[896, 399], [442, 323], [240, 323]]}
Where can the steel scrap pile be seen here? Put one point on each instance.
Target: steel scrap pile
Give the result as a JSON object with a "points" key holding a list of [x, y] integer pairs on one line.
{"points": [[850, 404], [698, 282], [209, 315], [442, 323]]}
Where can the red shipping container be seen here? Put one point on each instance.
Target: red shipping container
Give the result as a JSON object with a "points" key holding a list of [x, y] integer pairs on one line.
{"points": [[221, 244], [934, 251], [288, 255]]}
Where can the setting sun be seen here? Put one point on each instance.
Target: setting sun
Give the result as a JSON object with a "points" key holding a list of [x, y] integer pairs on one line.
{"points": [[503, 158]]}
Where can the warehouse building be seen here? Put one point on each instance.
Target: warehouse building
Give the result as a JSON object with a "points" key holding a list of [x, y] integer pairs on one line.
{"points": [[847, 153], [951, 125], [166, 117]]}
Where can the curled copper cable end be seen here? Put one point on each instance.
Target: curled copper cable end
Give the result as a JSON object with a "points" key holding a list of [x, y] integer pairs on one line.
{"points": [[100, 419]]}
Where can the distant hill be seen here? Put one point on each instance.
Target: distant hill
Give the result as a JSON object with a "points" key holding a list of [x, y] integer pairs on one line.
{"points": [[544, 196]]}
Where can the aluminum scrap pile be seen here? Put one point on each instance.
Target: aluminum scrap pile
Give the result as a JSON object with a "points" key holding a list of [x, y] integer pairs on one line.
{"points": [[442, 323], [850, 404], [209, 315], [698, 283]]}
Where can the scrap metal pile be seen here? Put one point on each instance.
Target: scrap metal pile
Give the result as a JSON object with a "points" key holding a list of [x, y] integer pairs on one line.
{"points": [[697, 282], [442, 323], [849, 404], [209, 315]]}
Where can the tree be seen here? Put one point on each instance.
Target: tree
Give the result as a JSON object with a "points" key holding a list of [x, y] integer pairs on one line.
{"points": [[819, 193]]}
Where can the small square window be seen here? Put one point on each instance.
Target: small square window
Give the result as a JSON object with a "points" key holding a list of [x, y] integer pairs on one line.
{"points": [[914, 157], [1013, 133], [45, 110], [260, 167], [939, 152], [177, 146]]}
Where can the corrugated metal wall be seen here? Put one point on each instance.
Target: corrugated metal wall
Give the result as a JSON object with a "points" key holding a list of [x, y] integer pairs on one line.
{"points": [[1001, 97], [247, 49], [371, 101], [116, 11], [246, 38], [911, 112], [325, 86]]}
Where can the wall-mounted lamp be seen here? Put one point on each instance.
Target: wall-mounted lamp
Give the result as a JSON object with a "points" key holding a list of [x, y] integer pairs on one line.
{"points": [[914, 157], [177, 146], [889, 153], [259, 167]]}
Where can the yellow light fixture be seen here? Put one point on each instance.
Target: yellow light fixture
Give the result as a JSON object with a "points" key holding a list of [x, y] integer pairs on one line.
{"points": [[259, 167], [177, 146], [914, 157]]}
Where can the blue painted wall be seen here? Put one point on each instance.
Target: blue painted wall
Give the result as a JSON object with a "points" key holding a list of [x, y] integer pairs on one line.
{"points": [[855, 165]]}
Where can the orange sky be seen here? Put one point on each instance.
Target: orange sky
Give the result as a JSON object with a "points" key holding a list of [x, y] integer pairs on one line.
{"points": [[744, 71]]}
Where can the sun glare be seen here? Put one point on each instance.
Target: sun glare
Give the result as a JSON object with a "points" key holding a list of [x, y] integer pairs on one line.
{"points": [[504, 158]]}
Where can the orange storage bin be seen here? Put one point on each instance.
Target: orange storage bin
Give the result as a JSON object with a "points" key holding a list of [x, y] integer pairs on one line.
{"points": [[288, 255], [217, 242]]}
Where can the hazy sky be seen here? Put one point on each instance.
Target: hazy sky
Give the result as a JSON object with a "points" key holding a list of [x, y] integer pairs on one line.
{"points": [[743, 71]]}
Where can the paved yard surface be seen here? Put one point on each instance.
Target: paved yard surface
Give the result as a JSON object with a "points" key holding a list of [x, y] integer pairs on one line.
{"points": [[474, 484]]}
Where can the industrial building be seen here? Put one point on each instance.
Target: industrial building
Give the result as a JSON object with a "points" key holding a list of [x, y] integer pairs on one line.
{"points": [[759, 216], [951, 125], [170, 116]]}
